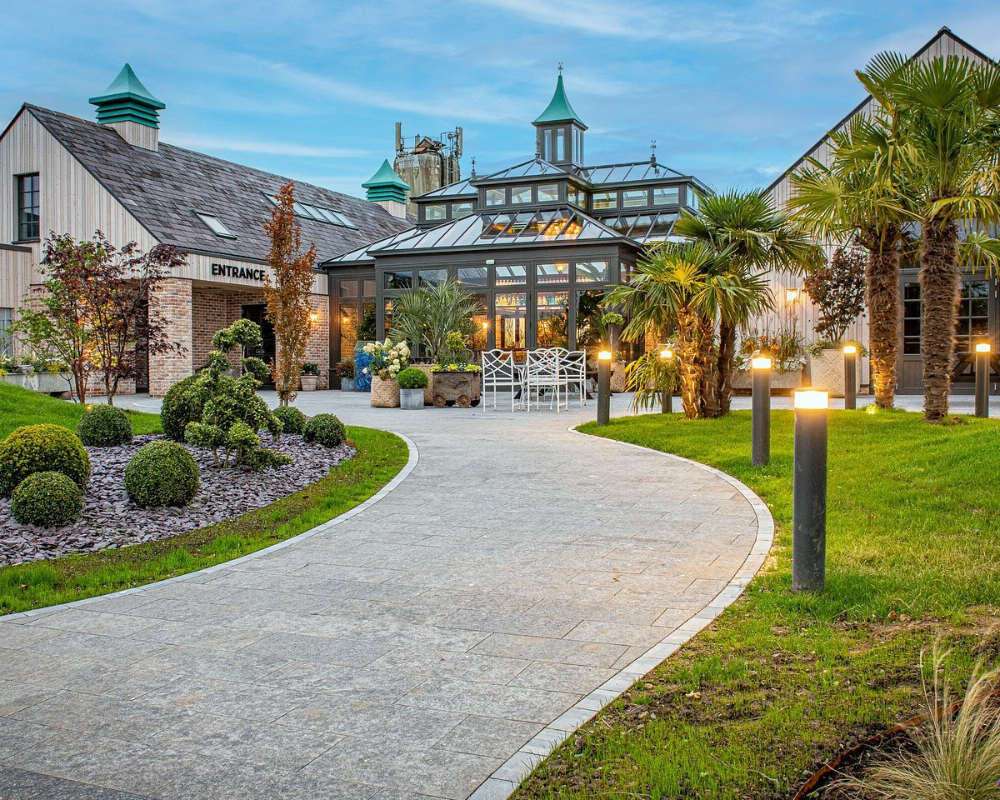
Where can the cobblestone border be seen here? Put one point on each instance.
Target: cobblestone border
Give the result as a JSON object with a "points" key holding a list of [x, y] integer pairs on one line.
{"points": [[411, 463], [502, 783]]}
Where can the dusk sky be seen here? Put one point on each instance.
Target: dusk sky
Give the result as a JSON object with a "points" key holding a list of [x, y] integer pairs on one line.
{"points": [[732, 92]]}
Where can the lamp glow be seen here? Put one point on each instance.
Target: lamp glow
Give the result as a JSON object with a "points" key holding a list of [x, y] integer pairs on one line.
{"points": [[604, 355], [812, 399], [761, 362], [313, 317], [486, 326], [850, 349], [666, 354], [983, 347], [791, 295]]}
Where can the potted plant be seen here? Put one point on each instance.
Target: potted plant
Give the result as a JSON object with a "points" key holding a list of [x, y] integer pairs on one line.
{"points": [[455, 380], [412, 383], [837, 291], [387, 359], [346, 371], [310, 376], [785, 351]]}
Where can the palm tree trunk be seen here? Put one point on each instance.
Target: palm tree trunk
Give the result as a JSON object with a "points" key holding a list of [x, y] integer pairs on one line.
{"points": [[885, 314], [727, 350], [940, 281], [689, 364], [709, 360]]}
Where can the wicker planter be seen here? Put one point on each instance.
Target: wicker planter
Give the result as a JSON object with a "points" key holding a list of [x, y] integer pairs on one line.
{"points": [[347, 385], [456, 388], [309, 382], [385, 392], [412, 399], [826, 371], [429, 390], [779, 380]]}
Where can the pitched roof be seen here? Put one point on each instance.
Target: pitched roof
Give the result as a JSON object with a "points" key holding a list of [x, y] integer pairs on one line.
{"points": [[559, 109], [164, 189]]}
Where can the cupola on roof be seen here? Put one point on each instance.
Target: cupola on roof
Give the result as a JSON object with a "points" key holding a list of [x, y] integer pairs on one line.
{"points": [[127, 100], [386, 185], [559, 109]]}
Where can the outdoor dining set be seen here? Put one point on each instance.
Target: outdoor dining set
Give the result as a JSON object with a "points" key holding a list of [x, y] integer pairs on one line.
{"points": [[549, 374]]}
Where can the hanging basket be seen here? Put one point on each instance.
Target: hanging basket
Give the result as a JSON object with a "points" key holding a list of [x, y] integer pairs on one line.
{"points": [[385, 392]]}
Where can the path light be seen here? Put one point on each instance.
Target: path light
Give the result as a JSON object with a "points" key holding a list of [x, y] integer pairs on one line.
{"points": [[983, 379], [850, 377], [760, 450], [667, 396], [809, 491], [603, 387]]}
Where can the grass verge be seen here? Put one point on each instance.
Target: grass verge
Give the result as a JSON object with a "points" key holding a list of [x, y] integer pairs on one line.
{"points": [[23, 407], [781, 682], [379, 459]]}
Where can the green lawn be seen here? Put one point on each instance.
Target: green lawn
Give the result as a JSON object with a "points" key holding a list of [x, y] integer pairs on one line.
{"points": [[21, 407], [781, 681]]}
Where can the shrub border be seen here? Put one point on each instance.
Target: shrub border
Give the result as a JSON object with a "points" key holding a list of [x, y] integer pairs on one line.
{"points": [[411, 463]]}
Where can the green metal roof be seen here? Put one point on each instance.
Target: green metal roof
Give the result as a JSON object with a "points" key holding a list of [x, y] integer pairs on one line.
{"points": [[386, 185], [559, 109], [126, 99]]}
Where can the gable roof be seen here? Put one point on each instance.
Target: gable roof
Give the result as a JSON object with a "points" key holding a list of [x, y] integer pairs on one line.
{"points": [[164, 189]]}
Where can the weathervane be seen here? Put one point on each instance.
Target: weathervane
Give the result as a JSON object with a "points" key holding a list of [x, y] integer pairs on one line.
{"points": [[560, 67], [473, 173], [652, 152]]}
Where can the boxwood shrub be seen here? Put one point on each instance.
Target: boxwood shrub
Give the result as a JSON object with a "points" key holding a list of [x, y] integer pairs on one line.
{"points": [[47, 499], [41, 448], [162, 474], [292, 420], [184, 402], [104, 426], [325, 429], [412, 378]]}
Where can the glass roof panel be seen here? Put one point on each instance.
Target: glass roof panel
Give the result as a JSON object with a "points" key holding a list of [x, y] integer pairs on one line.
{"points": [[461, 187]]}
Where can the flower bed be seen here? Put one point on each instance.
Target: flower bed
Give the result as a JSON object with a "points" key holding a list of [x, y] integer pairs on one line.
{"points": [[110, 520]]}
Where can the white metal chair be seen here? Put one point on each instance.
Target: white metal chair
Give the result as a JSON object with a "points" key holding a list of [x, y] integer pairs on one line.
{"points": [[500, 371], [573, 368], [542, 373]]}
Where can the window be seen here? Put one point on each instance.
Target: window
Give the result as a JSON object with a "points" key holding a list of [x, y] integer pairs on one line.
{"points": [[215, 225], [547, 152], [317, 213], [692, 197], [552, 273], [348, 290], [6, 341], [495, 197], [510, 320], [560, 145], [592, 271], [397, 280], [911, 319], [552, 313], [27, 208], [635, 198], [577, 196], [368, 288], [432, 277], [435, 212], [605, 200], [508, 276], [519, 195], [459, 210], [472, 276], [577, 146], [548, 193], [665, 196]]}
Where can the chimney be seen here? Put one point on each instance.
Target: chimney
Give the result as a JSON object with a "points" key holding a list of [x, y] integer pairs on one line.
{"points": [[129, 108], [387, 189]]}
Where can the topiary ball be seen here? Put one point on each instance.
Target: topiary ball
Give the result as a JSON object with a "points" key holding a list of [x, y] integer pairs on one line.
{"points": [[325, 429], [292, 420], [162, 474], [104, 426], [184, 402], [47, 499], [41, 448]]}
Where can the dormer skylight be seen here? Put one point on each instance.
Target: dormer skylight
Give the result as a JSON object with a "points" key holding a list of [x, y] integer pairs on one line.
{"points": [[215, 225], [317, 213]]}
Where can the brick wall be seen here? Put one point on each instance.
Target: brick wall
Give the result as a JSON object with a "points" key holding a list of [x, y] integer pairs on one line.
{"points": [[318, 346], [172, 301]]}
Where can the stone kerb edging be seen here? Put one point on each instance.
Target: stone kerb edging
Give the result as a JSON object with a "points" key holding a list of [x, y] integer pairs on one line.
{"points": [[502, 783], [411, 463]]}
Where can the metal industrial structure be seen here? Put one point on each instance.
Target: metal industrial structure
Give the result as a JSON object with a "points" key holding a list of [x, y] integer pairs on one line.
{"points": [[426, 164]]}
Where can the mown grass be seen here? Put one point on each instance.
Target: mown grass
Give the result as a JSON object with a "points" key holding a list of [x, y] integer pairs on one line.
{"points": [[22, 407], [380, 457], [783, 681]]}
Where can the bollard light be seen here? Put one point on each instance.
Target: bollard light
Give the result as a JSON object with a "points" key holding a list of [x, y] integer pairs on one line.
{"points": [[850, 377], [809, 491], [983, 379], [603, 387], [760, 434], [667, 396]]}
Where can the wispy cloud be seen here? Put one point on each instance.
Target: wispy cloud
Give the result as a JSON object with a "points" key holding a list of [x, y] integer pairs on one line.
{"points": [[198, 141]]}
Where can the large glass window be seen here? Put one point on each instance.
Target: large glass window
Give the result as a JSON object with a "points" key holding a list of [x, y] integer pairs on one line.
{"points": [[972, 324], [348, 331], [589, 331], [577, 196], [348, 290], [432, 277], [459, 210], [397, 280], [635, 198], [496, 197], [6, 340], [510, 275], [548, 193], [665, 196], [388, 319], [604, 200], [592, 271], [553, 319], [519, 195], [692, 197], [472, 276], [27, 207], [552, 273], [560, 145], [481, 320], [911, 319], [510, 320], [435, 212]]}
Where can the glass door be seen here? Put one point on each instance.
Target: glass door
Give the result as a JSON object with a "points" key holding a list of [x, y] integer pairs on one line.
{"points": [[510, 322]]}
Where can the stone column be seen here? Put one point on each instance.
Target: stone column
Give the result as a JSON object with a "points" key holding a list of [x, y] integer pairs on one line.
{"points": [[172, 301]]}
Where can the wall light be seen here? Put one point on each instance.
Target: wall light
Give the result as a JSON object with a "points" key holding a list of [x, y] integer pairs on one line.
{"points": [[314, 317], [791, 295], [486, 326]]}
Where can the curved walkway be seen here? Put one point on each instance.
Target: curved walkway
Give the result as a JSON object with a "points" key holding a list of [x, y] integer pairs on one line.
{"points": [[436, 644]]}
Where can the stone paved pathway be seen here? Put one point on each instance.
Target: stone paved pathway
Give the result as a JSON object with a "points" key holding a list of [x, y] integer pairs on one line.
{"points": [[453, 631]]}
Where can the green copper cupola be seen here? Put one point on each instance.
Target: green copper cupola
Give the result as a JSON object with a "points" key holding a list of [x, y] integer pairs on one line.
{"points": [[127, 100], [559, 130], [386, 186]]}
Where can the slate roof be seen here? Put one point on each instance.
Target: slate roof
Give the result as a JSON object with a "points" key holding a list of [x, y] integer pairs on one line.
{"points": [[163, 190]]}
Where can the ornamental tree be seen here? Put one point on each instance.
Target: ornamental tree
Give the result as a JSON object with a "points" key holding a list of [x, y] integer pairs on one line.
{"points": [[838, 291], [287, 293]]}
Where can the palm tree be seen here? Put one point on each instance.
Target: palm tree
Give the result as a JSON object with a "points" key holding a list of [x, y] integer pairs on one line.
{"points": [[946, 112], [688, 286], [425, 316], [758, 238], [857, 197]]}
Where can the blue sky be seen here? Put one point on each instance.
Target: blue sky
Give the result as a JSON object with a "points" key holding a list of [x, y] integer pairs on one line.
{"points": [[732, 92]]}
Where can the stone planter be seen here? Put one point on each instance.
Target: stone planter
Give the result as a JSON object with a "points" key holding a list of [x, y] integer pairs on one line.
{"points": [[309, 382], [617, 377], [347, 385], [456, 388], [412, 399], [779, 380], [41, 382], [826, 371], [385, 392]]}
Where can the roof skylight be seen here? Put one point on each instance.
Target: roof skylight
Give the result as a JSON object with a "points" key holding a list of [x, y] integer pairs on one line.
{"points": [[317, 213], [215, 225]]}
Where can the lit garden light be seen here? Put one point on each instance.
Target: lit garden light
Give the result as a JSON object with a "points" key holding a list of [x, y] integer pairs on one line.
{"points": [[809, 491], [983, 379], [667, 398], [760, 450], [850, 377], [603, 387]]}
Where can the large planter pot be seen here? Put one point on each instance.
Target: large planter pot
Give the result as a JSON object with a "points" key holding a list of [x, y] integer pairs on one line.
{"points": [[41, 382], [456, 388], [742, 379], [412, 399], [385, 392], [826, 371], [309, 382], [347, 385]]}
